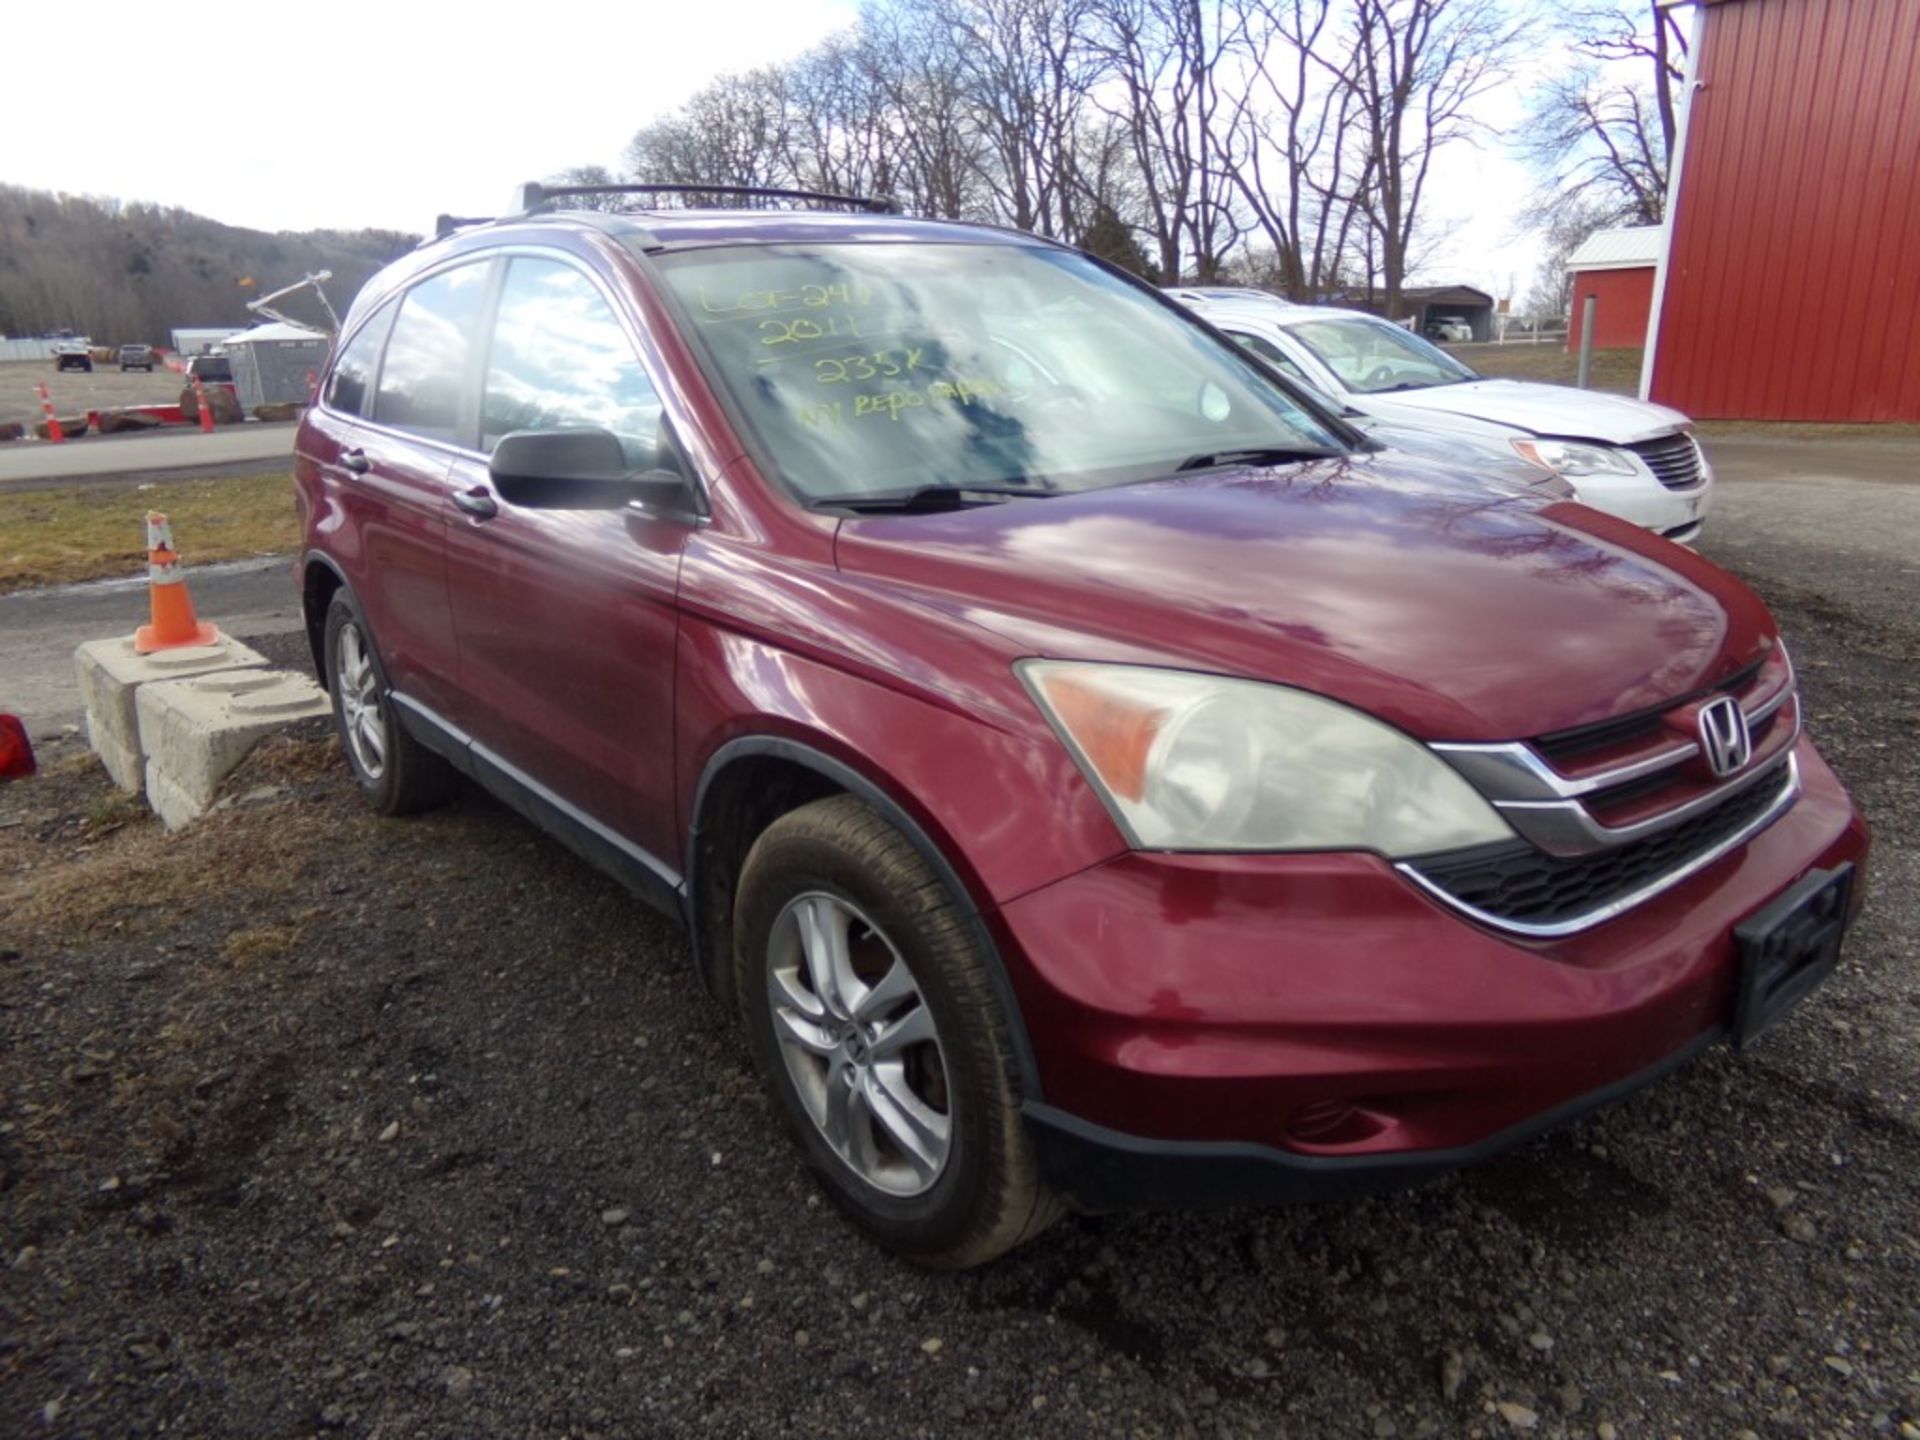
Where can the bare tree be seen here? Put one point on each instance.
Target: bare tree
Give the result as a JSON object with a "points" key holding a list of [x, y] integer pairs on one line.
{"points": [[1600, 134], [908, 58], [1288, 146], [1167, 61], [590, 175], [733, 132], [1027, 74], [1419, 67]]}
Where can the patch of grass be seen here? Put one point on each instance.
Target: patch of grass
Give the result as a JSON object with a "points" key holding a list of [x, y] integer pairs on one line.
{"points": [[259, 942], [111, 811], [91, 532], [1615, 371]]}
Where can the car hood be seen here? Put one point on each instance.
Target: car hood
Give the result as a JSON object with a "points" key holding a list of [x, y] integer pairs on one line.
{"points": [[1539, 409], [1400, 588]]}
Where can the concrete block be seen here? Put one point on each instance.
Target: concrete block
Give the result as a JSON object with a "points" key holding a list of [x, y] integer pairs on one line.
{"points": [[195, 732], [111, 673]]}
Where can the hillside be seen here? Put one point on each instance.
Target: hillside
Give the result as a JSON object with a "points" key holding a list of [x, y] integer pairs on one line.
{"points": [[121, 272]]}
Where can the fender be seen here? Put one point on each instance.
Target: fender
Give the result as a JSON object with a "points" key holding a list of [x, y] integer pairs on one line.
{"points": [[316, 624], [858, 784]]}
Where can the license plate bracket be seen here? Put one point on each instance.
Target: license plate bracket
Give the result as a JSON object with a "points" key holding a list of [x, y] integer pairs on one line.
{"points": [[1788, 948]]}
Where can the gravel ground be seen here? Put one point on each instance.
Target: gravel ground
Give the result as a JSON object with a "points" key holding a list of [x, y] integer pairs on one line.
{"points": [[75, 392], [319, 1124]]}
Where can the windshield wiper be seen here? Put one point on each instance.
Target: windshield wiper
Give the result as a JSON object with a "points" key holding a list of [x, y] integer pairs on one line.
{"points": [[930, 498], [1253, 455]]}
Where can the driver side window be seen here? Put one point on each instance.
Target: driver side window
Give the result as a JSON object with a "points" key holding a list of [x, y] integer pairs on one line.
{"points": [[560, 360]]}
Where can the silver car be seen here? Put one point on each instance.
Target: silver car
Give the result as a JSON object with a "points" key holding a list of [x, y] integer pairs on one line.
{"points": [[1627, 457]]}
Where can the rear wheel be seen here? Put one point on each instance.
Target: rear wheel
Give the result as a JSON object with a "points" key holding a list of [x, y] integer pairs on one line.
{"points": [[396, 773], [876, 1025]]}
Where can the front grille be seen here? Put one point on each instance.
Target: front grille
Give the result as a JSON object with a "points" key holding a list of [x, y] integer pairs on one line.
{"points": [[1564, 746], [1518, 884], [1674, 460]]}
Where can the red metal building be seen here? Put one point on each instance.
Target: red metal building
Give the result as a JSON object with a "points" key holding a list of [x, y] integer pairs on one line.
{"points": [[1791, 284], [1616, 268]]}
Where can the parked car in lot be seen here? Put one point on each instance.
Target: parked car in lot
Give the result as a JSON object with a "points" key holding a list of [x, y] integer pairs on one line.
{"points": [[136, 357], [73, 355], [1449, 330], [210, 370], [1095, 773], [1625, 456]]}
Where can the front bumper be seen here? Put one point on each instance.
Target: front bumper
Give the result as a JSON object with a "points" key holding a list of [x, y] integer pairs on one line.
{"points": [[1276, 1027], [1644, 501]]}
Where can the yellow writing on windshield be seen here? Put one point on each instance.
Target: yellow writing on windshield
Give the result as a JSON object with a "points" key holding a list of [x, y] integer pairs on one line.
{"points": [[891, 404], [800, 297], [880, 364]]}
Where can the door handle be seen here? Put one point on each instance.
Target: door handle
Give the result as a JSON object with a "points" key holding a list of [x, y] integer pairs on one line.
{"points": [[477, 502], [356, 461]]}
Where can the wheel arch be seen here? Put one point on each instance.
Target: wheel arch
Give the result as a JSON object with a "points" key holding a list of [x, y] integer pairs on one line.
{"points": [[320, 579], [726, 791]]}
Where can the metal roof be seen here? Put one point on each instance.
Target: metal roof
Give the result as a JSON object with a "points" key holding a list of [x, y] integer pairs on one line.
{"points": [[278, 330], [1626, 249]]}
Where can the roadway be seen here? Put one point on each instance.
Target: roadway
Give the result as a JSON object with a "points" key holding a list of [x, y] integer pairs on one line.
{"points": [[256, 445], [40, 629]]}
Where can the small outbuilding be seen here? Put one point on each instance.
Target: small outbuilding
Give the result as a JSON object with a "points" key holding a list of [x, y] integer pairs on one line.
{"points": [[1616, 268], [275, 364]]}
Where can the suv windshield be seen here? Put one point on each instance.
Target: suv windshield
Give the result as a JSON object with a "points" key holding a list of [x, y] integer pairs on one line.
{"points": [[1370, 356], [868, 369]]}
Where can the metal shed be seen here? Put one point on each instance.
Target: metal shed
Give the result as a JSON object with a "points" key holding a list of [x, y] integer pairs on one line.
{"points": [[1616, 268], [272, 364]]}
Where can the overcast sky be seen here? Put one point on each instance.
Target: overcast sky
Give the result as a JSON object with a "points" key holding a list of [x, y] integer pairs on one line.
{"points": [[351, 113]]}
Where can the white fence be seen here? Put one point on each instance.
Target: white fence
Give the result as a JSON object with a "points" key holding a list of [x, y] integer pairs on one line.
{"points": [[35, 349]]}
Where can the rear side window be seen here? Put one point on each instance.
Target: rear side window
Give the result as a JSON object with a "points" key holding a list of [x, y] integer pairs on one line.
{"points": [[561, 361], [350, 385], [423, 378]]}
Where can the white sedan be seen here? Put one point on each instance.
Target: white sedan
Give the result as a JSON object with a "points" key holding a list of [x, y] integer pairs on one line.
{"points": [[1624, 456]]}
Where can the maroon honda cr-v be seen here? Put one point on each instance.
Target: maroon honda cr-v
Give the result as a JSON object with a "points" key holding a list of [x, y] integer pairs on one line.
{"points": [[1097, 775]]}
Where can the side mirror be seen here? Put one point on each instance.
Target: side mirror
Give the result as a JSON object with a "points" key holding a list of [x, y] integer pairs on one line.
{"points": [[582, 469]]}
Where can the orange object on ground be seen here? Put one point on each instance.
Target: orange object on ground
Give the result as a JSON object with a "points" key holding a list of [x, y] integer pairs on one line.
{"points": [[174, 623], [16, 751], [206, 410], [54, 432]]}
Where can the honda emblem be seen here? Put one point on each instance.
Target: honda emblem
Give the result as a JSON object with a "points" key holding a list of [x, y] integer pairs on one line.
{"points": [[1724, 737]]}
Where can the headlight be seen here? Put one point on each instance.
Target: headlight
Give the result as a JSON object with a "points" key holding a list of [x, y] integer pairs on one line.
{"points": [[1200, 762], [1568, 458]]}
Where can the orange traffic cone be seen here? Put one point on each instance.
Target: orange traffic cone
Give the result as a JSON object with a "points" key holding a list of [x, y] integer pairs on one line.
{"points": [[174, 623], [54, 432], [200, 402]]}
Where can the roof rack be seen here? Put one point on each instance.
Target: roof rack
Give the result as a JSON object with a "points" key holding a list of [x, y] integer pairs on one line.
{"points": [[534, 196]]}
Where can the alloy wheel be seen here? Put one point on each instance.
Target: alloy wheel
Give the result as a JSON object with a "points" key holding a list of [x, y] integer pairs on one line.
{"points": [[860, 1044], [362, 720]]}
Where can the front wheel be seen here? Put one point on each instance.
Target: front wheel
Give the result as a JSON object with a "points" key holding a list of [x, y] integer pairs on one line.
{"points": [[875, 1023], [395, 772]]}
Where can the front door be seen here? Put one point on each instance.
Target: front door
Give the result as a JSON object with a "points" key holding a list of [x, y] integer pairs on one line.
{"points": [[566, 617]]}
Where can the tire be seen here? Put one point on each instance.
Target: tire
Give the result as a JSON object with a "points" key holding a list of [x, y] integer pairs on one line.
{"points": [[912, 1044], [396, 773]]}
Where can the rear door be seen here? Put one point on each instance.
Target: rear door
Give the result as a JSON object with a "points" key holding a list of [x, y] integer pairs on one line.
{"points": [[400, 493], [566, 617]]}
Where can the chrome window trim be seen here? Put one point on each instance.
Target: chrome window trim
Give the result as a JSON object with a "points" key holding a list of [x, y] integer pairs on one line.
{"points": [[1621, 904]]}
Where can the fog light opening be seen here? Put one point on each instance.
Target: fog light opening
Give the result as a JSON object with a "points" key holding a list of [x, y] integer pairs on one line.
{"points": [[1327, 1124]]}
